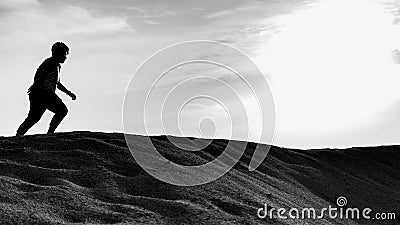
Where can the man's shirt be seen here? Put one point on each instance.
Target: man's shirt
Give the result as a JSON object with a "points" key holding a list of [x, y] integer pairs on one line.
{"points": [[46, 76]]}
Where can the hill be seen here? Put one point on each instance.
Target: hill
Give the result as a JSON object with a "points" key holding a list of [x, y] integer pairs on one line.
{"points": [[91, 178]]}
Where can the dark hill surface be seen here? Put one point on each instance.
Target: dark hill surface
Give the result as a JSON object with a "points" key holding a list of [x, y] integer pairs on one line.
{"points": [[91, 178]]}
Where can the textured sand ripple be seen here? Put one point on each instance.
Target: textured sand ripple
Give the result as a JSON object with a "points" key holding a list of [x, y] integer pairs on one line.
{"points": [[91, 178]]}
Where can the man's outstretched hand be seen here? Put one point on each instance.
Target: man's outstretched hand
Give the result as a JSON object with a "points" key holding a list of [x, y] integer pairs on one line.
{"points": [[65, 90], [72, 95]]}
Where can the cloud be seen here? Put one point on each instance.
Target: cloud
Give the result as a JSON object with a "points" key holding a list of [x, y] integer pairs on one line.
{"points": [[198, 9], [38, 20], [18, 4], [251, 25], [258, 9], [393, 7], [151, 22], [150, 15], [230, 12], [29, 27], [247, 37]]}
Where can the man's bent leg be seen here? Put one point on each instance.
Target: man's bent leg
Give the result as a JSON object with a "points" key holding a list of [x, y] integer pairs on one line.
{"points": [[36, 111], [60, 111]]}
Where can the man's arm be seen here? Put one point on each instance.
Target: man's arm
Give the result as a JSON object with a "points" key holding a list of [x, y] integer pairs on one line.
{"points": [[62, 88]]}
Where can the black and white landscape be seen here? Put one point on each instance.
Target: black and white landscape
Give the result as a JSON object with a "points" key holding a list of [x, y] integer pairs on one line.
{"points": [[317, 81]]}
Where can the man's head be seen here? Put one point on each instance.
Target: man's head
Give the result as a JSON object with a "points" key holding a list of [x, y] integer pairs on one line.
{"points": [[59, 51]]}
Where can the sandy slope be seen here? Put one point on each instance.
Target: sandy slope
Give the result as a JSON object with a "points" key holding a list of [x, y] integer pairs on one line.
{"points": [[85, 177]]}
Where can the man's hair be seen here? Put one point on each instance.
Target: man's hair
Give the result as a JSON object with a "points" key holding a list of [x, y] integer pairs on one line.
{"points": [[59, 48]]}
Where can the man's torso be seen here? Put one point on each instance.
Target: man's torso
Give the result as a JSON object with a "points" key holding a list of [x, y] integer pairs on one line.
{"points": [[46, 76]]}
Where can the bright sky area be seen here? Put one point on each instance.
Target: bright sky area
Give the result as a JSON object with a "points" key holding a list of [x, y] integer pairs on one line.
{"points": [[329, 63]]}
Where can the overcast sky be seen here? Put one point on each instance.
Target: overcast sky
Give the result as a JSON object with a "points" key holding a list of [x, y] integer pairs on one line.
{"points": [[329, 63]]}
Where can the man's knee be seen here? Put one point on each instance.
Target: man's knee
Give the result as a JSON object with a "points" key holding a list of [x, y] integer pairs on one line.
{"points": [[63, 111]]}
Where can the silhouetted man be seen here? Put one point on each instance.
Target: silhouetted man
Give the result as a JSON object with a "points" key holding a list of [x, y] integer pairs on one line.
{"points": [[42, 94]]}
